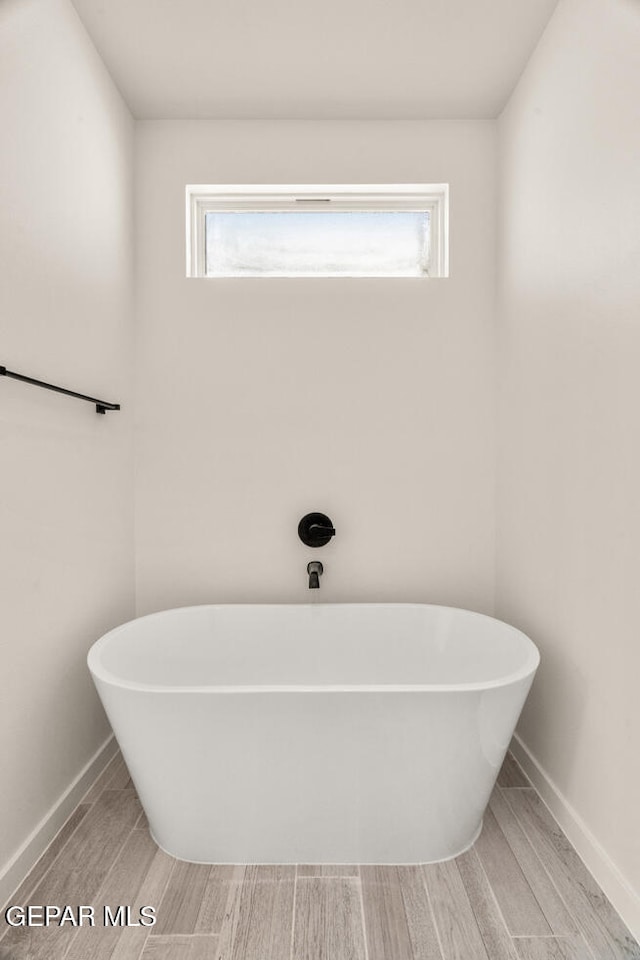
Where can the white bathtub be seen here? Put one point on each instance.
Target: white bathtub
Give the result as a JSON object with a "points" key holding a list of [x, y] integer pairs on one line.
{"points": [[314, 733]]}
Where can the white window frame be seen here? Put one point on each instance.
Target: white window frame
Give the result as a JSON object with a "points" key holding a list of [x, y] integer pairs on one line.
{"points": [[208, 198]]}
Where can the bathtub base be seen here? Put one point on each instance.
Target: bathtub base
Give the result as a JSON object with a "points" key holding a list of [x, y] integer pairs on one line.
{"points": [[314, 778], [319, 861]]}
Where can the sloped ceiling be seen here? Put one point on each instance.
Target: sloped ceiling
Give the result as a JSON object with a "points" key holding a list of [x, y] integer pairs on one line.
{"points": [[369, 59]]}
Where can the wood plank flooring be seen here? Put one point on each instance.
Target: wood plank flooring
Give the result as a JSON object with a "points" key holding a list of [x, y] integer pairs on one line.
{"points": [[521, 893]]}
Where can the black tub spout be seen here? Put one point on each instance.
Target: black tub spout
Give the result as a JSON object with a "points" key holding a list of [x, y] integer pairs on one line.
{"points": [[314, 569]]}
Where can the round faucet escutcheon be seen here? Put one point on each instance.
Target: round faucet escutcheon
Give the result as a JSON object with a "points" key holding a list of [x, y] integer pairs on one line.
{"points": [[316, 529]]}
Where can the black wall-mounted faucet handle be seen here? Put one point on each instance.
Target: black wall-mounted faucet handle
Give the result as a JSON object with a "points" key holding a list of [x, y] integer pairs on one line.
{"points": [[316, 529]]}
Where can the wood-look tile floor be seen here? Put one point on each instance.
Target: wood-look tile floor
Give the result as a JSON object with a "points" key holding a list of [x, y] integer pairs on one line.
{"points": [[521, 893]]}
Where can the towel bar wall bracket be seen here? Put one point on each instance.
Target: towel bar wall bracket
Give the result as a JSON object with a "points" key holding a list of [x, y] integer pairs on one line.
{"points": [[101, 405]]}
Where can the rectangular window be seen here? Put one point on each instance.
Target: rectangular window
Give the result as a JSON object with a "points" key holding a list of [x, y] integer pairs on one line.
{"points": [[311, 231]]}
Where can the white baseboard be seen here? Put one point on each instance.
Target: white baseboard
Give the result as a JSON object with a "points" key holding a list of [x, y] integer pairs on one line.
{"points": [[623, 897], [14, 872]]}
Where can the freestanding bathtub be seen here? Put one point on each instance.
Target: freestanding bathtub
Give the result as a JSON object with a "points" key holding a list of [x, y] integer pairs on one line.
{"points": [[314, 733]]}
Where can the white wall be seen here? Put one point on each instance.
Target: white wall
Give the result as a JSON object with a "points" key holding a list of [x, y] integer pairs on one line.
{"points": [[260, 400], [569, 477], [66, 563]]}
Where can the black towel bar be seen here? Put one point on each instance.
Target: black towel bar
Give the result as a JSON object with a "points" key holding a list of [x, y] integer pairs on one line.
{"points": [[101, 405]]}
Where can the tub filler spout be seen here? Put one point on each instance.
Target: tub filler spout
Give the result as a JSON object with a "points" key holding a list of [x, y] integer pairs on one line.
{"points": [[314, 569]]}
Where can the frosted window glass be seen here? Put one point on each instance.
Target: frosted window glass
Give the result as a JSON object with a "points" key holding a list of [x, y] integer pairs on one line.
{"points": [[317, 244]]}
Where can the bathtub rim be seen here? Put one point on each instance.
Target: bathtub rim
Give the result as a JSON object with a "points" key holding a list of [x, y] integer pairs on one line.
{"points": [[100, 673]]}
